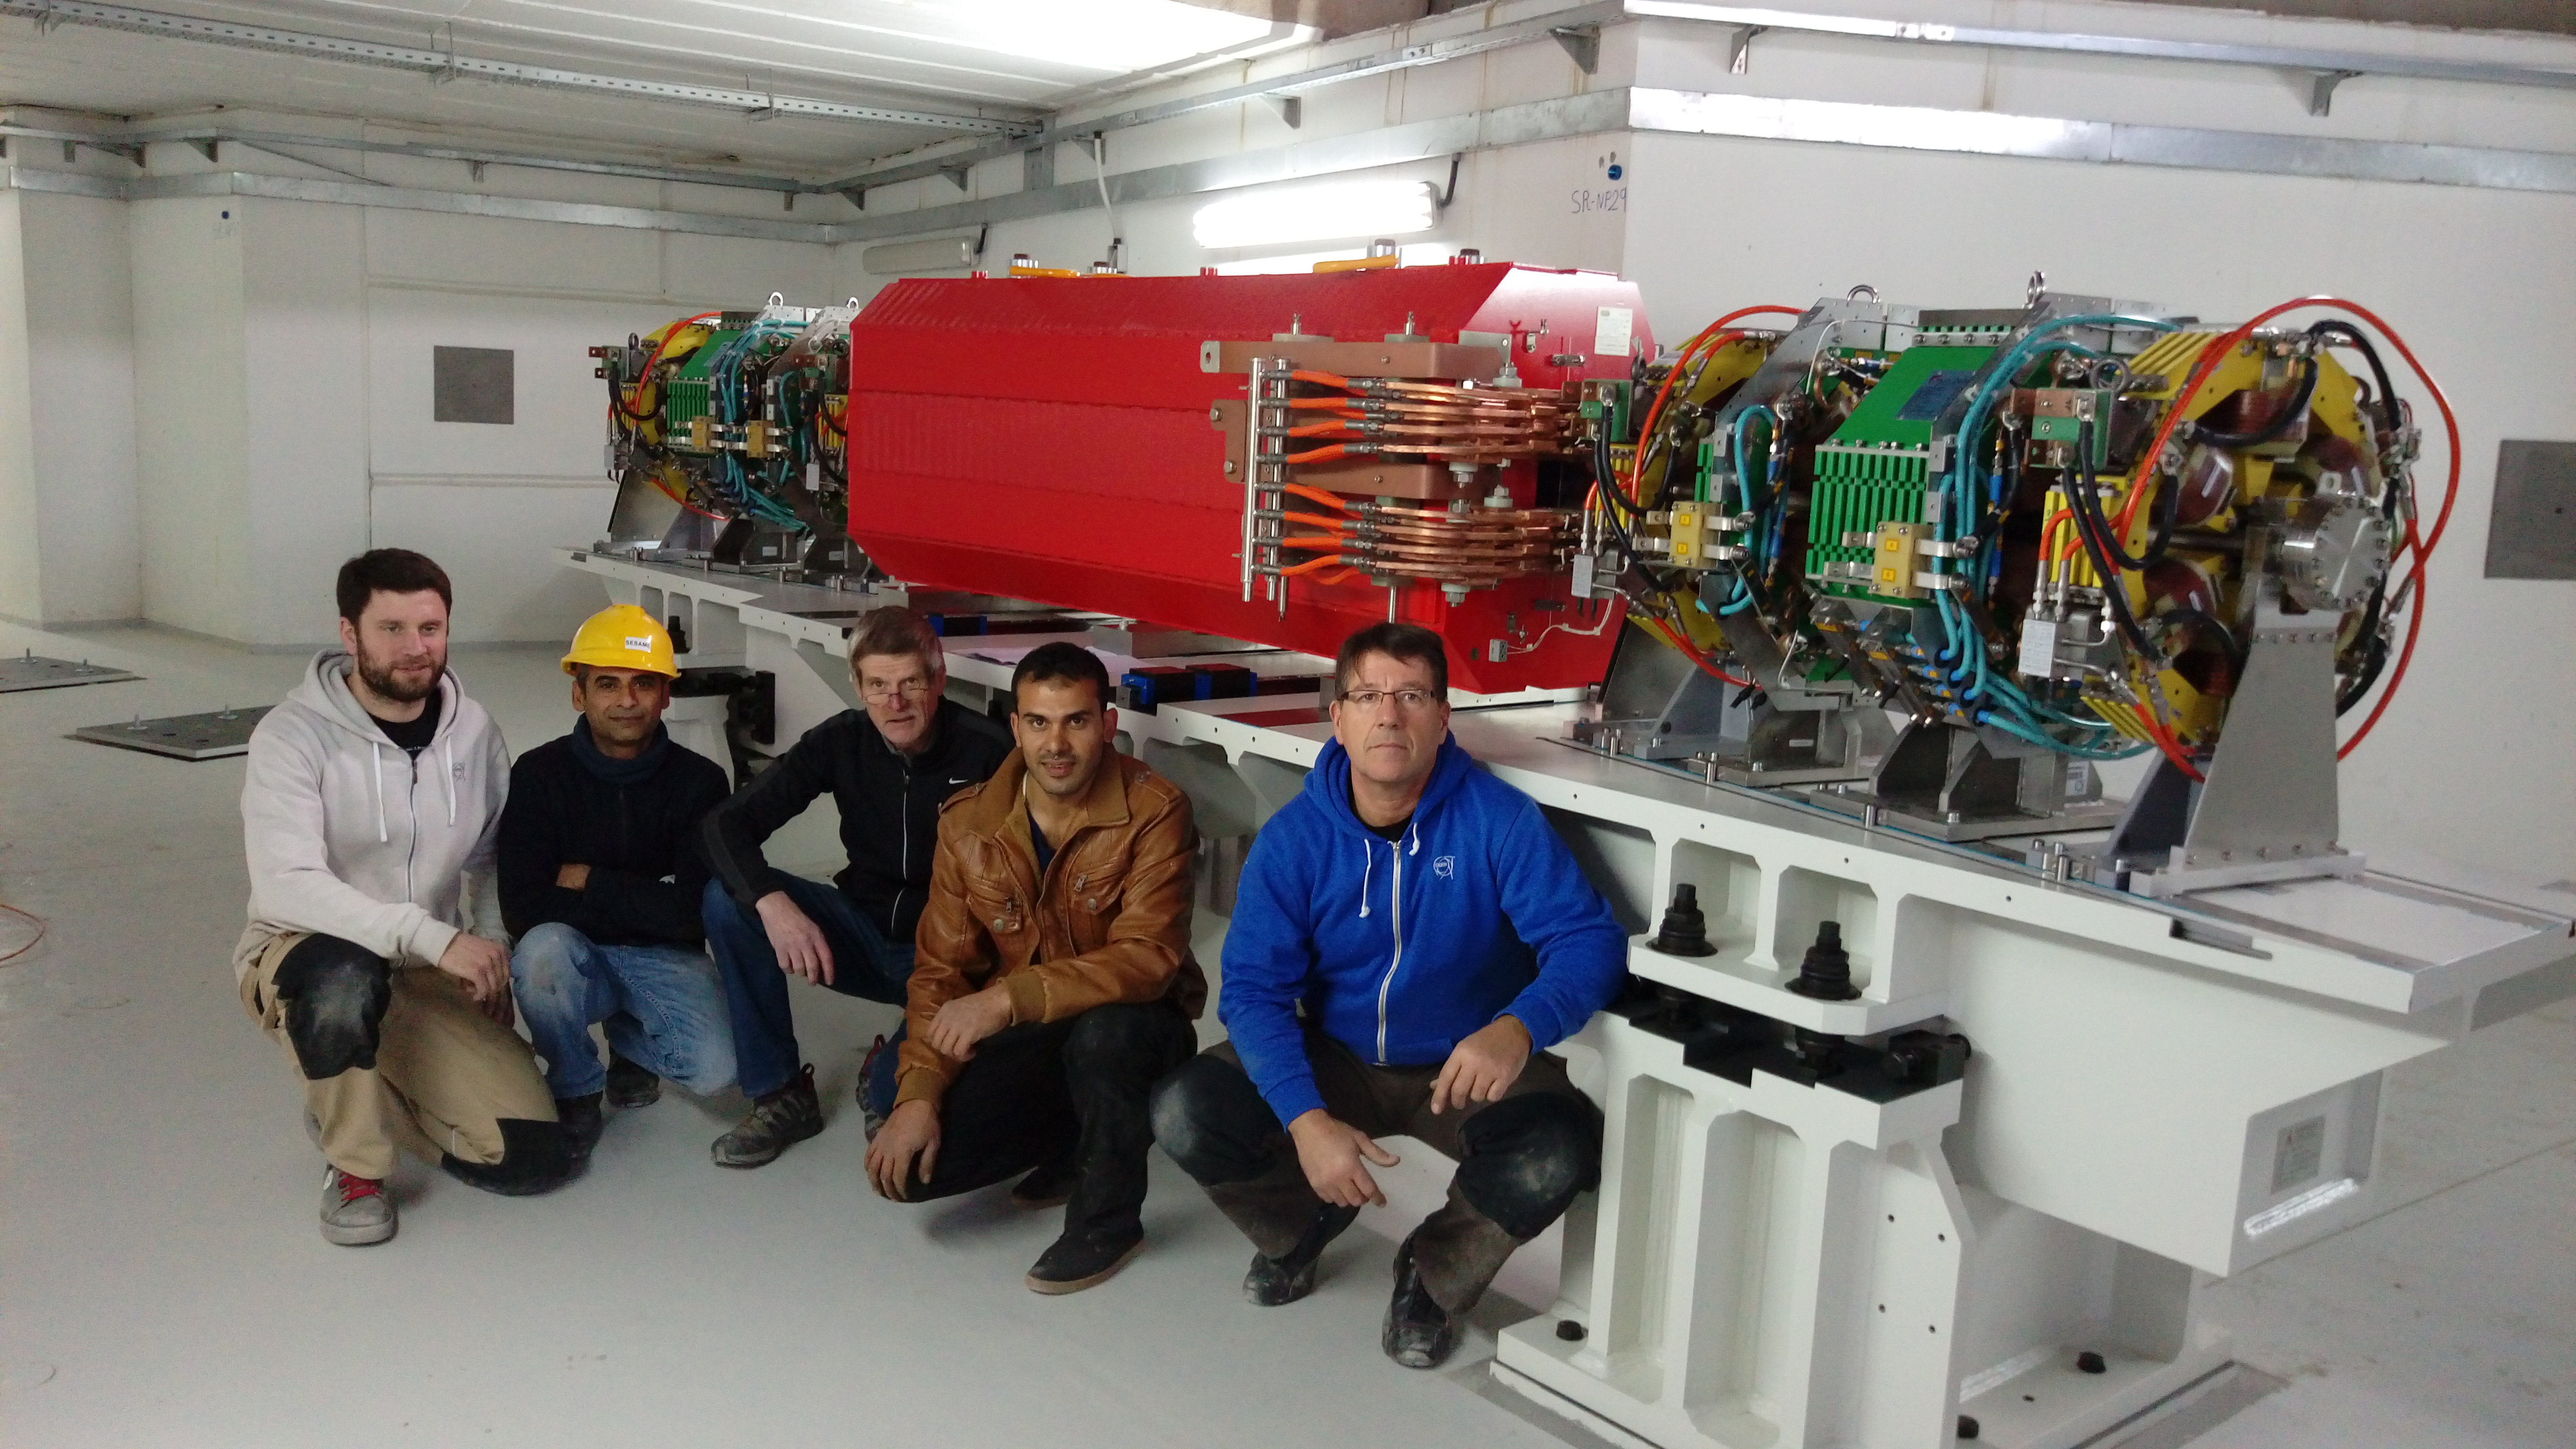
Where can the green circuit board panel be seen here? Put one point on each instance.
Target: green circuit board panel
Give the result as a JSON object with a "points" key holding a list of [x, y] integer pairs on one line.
{"points": [[1876, 469], [687, 396]]}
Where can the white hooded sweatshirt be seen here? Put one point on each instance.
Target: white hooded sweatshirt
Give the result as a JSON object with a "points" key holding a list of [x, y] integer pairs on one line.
{"points": [[349, 836]]}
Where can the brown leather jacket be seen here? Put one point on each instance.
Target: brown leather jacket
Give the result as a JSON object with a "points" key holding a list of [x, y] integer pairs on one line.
{"points": [[1110, 923]]}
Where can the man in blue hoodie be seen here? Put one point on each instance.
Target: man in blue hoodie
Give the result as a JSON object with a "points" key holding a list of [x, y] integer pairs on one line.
{"points": [[1409, 936]]}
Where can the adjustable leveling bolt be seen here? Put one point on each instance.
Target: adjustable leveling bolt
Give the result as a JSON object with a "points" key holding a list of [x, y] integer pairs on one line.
{"points": [[1826, 973], [1684, 931]]}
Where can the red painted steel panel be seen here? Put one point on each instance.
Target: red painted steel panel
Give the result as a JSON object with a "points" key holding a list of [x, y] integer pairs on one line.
{"points": [[1048, 439]]}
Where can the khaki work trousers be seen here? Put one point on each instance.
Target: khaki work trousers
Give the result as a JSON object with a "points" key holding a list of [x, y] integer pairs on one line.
{"points": [[445, 1074]]}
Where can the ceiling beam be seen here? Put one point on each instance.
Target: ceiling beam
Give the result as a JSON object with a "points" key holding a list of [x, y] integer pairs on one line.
{"points": [[1405, 57], [450, 64]]}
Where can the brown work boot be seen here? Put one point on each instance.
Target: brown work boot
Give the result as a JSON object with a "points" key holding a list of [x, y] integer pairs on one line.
{"points": [[779, 1120]]}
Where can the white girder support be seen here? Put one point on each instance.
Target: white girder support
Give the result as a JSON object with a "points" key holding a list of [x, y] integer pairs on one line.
{"points": [[2162, 1093], [1765, 1263]]}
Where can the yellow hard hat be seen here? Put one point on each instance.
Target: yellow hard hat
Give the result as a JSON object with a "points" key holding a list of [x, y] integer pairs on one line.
{"points": [[622, 636]]}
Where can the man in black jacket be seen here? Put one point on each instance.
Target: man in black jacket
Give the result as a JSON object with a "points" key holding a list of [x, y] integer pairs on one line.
{"points": [[600, 886], [888, 767]]}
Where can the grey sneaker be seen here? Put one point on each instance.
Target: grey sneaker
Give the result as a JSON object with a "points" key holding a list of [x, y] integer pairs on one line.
{"points": [[777, 1122], [355, 1210]]}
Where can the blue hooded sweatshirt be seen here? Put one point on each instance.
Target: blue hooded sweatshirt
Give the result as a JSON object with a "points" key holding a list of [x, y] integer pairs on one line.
{"points": [[1400, 949]]}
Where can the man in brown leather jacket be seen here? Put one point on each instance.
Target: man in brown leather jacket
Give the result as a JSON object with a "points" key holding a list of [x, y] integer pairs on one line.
{"points": [[1053, 982]]}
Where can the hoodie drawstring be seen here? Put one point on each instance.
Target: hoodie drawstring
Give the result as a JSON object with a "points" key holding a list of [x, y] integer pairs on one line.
{"points": [[447, 757], [1368, 862], [376, 767]]}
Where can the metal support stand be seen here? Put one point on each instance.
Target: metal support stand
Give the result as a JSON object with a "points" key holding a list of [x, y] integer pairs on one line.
{"points": [[2269, 810]]}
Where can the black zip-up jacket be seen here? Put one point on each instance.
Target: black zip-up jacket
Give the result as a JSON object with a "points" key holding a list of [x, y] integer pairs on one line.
{"points": [[889, 810], [631, 835]]}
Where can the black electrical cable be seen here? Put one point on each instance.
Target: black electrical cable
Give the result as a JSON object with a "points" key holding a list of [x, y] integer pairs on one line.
{"points": [[2087, 507], [2387, 399], [2374, 653], [2114, 597], [2094, 532], [2295, 412]]}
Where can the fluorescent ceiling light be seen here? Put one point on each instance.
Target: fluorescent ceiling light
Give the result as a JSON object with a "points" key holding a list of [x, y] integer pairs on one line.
{"points": [[1314, 213], [1112, 36]]}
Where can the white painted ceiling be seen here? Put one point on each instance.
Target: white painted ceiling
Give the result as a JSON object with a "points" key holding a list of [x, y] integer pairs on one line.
{"points": [[1006, 58]]}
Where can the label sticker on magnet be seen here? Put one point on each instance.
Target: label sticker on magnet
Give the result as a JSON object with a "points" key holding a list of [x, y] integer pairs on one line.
{"points": [[1614, 332]]}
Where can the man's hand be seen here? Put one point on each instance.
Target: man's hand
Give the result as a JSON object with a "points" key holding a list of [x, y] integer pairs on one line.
{"points": [[912, 1132], [573, 877], [967, 1020], [1483, 1067], [485, 969], [1330, 1149], [801, 949]]}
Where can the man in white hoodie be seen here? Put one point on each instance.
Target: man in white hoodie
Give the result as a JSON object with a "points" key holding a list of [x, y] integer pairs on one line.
{"points": [[375, 952]]}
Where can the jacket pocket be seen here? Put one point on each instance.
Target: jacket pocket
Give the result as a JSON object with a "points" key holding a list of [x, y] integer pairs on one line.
{"points": [[1094, 887]]}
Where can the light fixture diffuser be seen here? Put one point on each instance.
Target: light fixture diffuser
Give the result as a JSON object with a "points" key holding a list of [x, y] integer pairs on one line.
{"points": [[1313, 213]]}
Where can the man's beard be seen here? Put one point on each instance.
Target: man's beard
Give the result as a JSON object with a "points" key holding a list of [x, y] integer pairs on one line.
{"points": [[381, 680]]}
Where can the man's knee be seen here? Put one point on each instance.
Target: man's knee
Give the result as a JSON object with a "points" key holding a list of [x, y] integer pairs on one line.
{"points": [[1123, 1039], [1528, 1157], [1209, 1118], [550, 961], [532, 1160], [706, 1068], [721, 914], [335, 993]]}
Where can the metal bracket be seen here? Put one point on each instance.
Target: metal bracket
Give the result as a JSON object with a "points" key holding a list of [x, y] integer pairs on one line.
{"points": [[475, 169], [1739, 48], [1583, 43], [208, 149], [958, 176], [1291, 109], [1037, 167], [2321, 89]]}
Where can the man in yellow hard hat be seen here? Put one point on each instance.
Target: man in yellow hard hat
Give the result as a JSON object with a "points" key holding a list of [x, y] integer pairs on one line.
{"points": [[600, 885]]}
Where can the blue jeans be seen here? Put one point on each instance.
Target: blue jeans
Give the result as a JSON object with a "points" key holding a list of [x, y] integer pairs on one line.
{"points": [[662, 1006], [864, 964]]}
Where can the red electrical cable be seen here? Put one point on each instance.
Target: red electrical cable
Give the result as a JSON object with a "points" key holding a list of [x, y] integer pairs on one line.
{"points": [[1688, 651], [2419, 544]]}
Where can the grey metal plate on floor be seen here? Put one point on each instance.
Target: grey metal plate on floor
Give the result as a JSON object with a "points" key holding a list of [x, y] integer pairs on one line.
{"points": [[34, 671], [181, 736]]}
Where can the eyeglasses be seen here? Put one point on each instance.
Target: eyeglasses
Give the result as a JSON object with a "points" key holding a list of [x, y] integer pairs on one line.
{"points": [[1407, 701], [910, 690]]}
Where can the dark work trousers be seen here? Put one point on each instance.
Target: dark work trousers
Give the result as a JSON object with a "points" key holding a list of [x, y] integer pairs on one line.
{"points": [[864, 964], [1521, 1160], [1061, 1093]]}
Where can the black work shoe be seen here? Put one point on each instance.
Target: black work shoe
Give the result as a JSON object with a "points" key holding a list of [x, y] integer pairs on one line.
{"points": [[630, 1086], [1049, 1184], [777, 1122], [1274, 1281], [582, 1123], [1418, 1333], [869, 1117], [1079, 1259]]}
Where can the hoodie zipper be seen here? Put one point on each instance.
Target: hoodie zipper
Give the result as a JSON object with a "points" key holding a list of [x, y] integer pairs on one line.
{"points": [[411, 853], [1395, 913]]}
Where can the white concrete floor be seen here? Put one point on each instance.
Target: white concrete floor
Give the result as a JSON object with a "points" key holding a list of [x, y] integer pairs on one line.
{"points": [[162, 1282]]}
